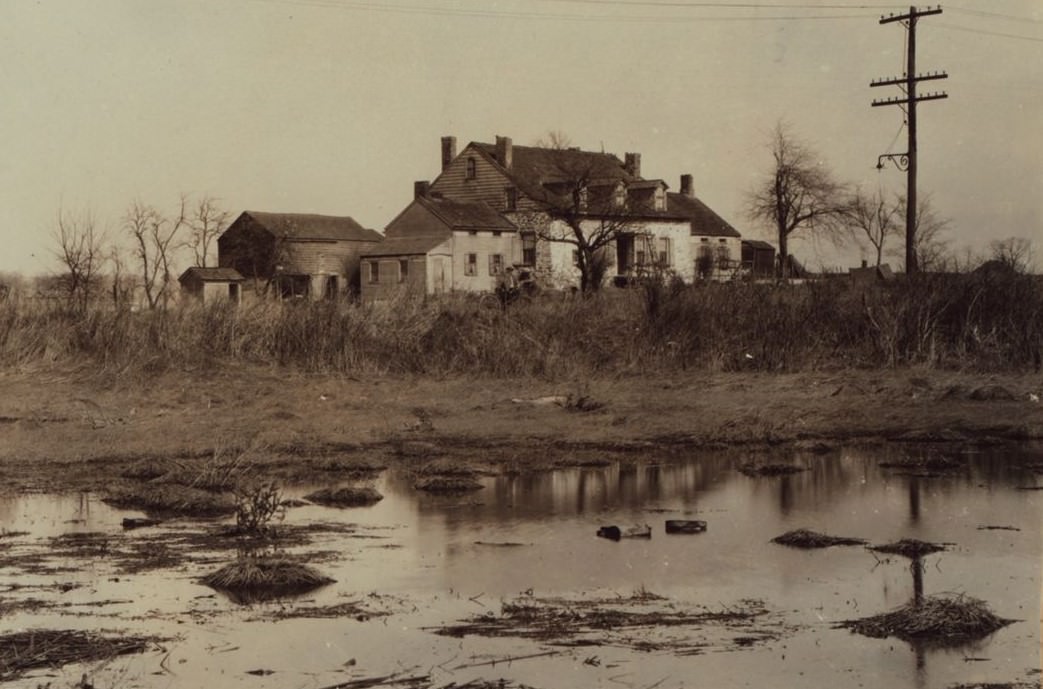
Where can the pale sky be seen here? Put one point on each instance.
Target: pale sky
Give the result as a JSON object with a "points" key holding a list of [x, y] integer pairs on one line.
{"points": [[337, 106]]}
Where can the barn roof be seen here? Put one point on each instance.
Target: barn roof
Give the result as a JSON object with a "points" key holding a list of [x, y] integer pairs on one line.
{"points": [[704, 220], [404, 246], [311, 226], [758, 244], [212, 274]]}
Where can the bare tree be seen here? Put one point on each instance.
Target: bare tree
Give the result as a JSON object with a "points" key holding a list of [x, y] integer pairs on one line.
{"points": [[79, 249], [873, 218], [799, 195], [555, 139], [154, 237], [1013, 252], [930, 245], [121, 284], [207, 221]]}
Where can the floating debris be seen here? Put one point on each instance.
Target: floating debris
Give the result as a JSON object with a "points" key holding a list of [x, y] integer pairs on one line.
{"points": [[28, 650], [805, 538], [252, 579], [346, 496], [685, 526], [615, 533], [941, 620]]}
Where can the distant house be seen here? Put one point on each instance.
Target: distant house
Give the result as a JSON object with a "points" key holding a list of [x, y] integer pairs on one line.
{"points": [[296, 254], [662, 229], [868, 275], [437, 245], [212, 285], [758, 259]]}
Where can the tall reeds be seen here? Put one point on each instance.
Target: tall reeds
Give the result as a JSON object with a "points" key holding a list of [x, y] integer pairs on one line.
{"points": [[971, 321]]}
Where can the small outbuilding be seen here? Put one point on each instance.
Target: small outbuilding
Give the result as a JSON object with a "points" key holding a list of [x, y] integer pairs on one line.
{"points": [[758, 259], [868, 275], [212, 285]]}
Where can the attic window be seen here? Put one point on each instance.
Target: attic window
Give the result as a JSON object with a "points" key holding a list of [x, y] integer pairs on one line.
{"points": [[472, 168], [660, 200]]}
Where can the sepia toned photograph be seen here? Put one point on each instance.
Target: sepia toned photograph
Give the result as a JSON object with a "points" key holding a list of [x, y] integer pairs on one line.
{"points": [[521, 344]]}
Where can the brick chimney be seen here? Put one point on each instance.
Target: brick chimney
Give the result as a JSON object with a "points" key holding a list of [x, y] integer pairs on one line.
{"points": [[632, 164], [504, 151], [420, 189], [448, 150], [686, 186]]}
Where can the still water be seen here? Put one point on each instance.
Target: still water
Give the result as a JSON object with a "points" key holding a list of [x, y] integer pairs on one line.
{"points": [[417, 562]]}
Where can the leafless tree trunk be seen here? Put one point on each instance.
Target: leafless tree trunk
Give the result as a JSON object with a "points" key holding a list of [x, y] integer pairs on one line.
{"points": [[799, 194], [206, 223], [122, 287], [930, 246], [154, 244], [79, 249]]}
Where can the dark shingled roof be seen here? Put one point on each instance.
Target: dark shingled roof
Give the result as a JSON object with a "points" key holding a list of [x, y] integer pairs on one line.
{"points": [[466, 216], [213, 274], [310, 226], [531, 167], [404, 246], [758, 244], [704, 220]]}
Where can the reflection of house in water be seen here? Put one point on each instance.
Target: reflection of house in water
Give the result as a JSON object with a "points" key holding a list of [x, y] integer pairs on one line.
{"points": [[300, 255]]}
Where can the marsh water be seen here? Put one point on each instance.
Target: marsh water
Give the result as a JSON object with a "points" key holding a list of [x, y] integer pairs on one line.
{"points": [[414, 563]]}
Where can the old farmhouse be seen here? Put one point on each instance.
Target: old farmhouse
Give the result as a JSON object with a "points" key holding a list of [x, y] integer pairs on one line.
{"points": [[296, 254], [523, 185]]}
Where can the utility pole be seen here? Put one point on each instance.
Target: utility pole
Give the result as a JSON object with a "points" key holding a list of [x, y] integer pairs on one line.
{"points": [[908, 161]]}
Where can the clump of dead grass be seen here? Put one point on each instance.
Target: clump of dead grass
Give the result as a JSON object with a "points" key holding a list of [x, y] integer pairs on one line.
{"points": [[172, 500], [346, 496], [941, 620], [251, 579], [805, 538], [909, 547], [49, 648], [447, 484]]}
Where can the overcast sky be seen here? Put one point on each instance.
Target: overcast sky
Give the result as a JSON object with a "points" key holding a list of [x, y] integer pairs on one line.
{"points": [[337, 106]]}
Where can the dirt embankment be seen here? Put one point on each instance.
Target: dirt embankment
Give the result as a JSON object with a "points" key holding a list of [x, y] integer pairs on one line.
{"points": [[61, 430]]}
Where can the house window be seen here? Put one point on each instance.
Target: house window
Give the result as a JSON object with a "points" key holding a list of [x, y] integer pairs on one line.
{"points": [[528, 248], [403, 269], [495, 264], [374, 271], [472, 168], [471, 264], [664, 251], [512, 198], [724, 256], [640, 257], [660, 200]]}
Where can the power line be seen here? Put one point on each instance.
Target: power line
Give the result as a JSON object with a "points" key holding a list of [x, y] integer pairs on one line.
{"points": [[984, 32], [458, 12], [727, 5], [997, 15]]}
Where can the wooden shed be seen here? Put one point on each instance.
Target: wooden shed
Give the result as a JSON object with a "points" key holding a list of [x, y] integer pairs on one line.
{"points": [[212, 285]]}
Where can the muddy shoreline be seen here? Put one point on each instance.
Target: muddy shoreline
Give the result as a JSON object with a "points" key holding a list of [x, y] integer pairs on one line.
{"points": [[68, 430]]}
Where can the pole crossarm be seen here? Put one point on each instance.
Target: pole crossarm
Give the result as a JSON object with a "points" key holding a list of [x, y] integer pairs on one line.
{"points": [[912, 14], [898, 81], [906, 101]]}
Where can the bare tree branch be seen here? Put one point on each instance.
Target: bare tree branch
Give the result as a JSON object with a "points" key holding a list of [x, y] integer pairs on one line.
{"points": [[79, 249], [873, 218]]}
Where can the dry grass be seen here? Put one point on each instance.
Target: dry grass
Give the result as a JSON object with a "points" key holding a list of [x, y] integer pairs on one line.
{"points": [[346, 496], [909, 547], [23, 651], [804, 538], [251, 579], [941, 620], [172, 500]]}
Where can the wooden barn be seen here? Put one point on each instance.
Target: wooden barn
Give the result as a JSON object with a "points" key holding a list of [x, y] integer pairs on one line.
{"points": [[295, 254]]}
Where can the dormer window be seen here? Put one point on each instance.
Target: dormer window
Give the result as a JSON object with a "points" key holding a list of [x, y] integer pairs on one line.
{"points": [[660, 200], [472, 168], [619, 199]]}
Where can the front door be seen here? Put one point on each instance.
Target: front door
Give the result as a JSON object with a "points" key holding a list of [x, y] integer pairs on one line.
{"points": [[624, 252]]}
